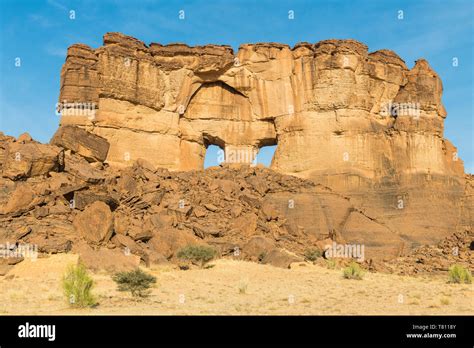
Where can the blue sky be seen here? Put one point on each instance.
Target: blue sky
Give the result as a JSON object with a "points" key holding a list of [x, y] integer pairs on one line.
{"points": [[39, 32]]}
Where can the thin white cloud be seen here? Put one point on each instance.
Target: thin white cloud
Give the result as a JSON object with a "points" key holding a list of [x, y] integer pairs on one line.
{"points": [[58, 5], [42, 21], [56, 51]]}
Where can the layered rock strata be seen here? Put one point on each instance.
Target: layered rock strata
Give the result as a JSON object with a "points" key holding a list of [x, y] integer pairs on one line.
{"points": [[361, 123]]}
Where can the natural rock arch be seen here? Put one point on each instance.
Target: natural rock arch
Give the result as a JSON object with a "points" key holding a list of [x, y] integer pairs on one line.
{"points": [[218, 114], [324, 103]]}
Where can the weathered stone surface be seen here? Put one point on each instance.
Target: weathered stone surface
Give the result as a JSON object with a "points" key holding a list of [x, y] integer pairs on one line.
{"points": [[169, 241], [257, 248], [5, 140], [112, 260], [269, 212], [20, 200], [122, 223], [95, 223], [82, 169], [12, 236], [126, 242], [51, 243], [360, 134], [83, 198], [78, 140], [203, 231], [24, 138], [455, 249], [22, 160], [280, 258], [143, 232], [199, 212], [377, 125], [294, 214], [154, 258], [245, 225]]}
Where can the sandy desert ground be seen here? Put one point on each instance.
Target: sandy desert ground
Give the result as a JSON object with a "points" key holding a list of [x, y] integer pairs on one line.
{"points": [[237, 288]]}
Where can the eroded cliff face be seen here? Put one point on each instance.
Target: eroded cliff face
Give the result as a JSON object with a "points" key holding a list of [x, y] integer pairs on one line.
{"points": [[360, 123]]}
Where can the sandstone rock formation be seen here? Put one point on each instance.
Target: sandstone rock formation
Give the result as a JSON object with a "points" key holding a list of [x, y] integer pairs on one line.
{"points": [[149, 213], [455, 249], [95, 223], [361, 123], [31, 159], [244, 212], [90, 146], [360, 159]]}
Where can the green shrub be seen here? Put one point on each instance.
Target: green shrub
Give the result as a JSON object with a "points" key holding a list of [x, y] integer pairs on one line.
{"points": [[312, 254], [197, 254], [330, 263], [137, 282], [77, 286], [459, 274], [353, 271]]}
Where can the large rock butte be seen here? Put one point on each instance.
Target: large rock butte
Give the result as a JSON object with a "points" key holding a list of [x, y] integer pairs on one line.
{"points": [[360, 123], [360, 159]]}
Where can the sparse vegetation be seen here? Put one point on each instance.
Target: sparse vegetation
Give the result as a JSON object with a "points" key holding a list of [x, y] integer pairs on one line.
{"points": [[77, 285], [219, 291], [312, 254], [243, 286], [353, 271], [197, 254], [137, 282], [459, 274], [445, 301], [330, 263]]}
